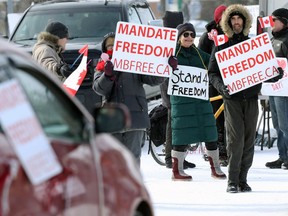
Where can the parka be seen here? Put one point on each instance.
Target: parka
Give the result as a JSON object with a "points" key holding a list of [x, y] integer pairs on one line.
{"points": [[127, 88], [214, 72], [192, 119], [47, 53]]}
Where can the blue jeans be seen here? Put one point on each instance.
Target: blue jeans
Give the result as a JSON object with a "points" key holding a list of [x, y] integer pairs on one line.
{"points": [[279, 111]]}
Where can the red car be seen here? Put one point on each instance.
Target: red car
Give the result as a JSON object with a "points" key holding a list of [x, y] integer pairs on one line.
{"points": [[54, 158]]}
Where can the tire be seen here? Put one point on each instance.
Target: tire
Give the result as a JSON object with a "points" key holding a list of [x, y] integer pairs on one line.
{"points": [[158, 153]]}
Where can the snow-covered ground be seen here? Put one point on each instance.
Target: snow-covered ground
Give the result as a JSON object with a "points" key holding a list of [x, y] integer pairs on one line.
{"points": [[206, 196]]}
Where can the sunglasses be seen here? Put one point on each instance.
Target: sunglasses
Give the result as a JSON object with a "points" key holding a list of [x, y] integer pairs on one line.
{"points": [[186, 34]]}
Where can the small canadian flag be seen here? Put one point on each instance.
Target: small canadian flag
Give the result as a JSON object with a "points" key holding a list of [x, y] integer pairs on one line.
{"points": [[73, 82], [220, 39], [266, 21]]}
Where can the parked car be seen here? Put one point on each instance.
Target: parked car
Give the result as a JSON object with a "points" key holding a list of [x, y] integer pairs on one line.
{"points": [[98, 176], [88, 21]]}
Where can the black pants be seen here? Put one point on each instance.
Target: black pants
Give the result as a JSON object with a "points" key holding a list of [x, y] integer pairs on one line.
{"points": [[240, 123]]}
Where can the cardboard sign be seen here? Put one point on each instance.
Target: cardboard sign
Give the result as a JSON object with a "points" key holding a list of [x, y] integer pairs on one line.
{"points": [[143, 49], [248, 63], [279, 88], [189, 82], [26, 135]]}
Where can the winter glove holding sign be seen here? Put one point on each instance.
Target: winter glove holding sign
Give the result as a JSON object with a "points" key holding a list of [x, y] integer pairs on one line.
{"points": [[173, 62], [280, 76], [224, 91], [108, 70]]}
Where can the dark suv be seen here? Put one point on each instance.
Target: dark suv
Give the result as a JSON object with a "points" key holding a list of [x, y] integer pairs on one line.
{"points": [[88, 21]]}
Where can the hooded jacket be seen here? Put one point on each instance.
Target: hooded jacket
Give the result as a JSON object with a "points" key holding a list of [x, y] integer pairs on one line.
{"points": [[213, 69], [47, 53]]}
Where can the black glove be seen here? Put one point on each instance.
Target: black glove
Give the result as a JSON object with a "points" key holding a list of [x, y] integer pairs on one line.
{"points": [[224, 91], [65, 70], [173, 62], [108, 69], [281, 73]]}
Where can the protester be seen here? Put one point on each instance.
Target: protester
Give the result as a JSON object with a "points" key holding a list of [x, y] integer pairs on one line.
{"points": [[126, 88], [206, 43], [47, 51], [192, 119], [240, 109], [171, 19], [279, 105]]}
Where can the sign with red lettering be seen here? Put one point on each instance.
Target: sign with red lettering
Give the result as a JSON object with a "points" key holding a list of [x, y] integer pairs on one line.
{"points": [[279, 88], [143, 49], [189, 82], [248, 63], [24, 131]]}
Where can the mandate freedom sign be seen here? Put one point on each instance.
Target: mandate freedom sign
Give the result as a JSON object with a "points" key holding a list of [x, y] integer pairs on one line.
{"points": [[279, 88], [248, 63], [143, 49], [189, 82]]}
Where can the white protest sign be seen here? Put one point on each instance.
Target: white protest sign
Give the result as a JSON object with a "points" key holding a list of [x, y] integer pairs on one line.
{"points": [[248, 63], [279, 88], [189, 82], [26, 135], [143, 49]]}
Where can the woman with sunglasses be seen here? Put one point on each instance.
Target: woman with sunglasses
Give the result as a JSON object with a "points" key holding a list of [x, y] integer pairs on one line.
{"points": [[192, 119]]}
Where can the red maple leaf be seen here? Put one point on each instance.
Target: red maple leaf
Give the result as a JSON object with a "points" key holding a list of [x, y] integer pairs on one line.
{"points": [[221, 39], [81, 77]]}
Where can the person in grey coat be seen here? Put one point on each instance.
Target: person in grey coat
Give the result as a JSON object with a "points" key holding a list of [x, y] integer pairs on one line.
{"points": [[127, 88], [47, 51]]}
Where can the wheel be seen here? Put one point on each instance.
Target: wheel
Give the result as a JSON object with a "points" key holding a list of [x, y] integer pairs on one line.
{"points": [[158, 153]]}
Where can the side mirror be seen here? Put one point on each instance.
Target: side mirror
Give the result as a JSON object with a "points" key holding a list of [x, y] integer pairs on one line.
{"points": [[111, 118]]}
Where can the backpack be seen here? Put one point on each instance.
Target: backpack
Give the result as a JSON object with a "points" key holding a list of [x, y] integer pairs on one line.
{"points": [[158, 121]]}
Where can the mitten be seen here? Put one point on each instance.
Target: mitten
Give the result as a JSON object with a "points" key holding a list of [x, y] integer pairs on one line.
{"points": [[281, 73], [224, 91], [108, 69], [173, 62], [65, 70]]}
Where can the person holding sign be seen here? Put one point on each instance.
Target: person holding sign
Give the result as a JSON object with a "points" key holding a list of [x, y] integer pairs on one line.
{"points": [[126, 88], [279, 105], [192, 118], [240, 109]]}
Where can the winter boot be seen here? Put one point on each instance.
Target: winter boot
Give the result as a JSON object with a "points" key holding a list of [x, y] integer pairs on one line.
{"points": [[213, 157], [177, 166]]}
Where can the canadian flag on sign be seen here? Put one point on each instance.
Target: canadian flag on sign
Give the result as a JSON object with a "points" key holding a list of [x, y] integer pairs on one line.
{"points": [[266, 21], [220, 39], [73, 82]]}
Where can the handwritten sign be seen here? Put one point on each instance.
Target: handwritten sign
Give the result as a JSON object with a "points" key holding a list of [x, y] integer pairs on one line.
{"points": [[26, 135], [248, 63], [189, 82], [143, 49], [279, 88]]}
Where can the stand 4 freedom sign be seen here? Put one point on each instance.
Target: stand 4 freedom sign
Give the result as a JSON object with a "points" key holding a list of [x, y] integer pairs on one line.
{"points": [[279, 88], [248, 63], [143, 49], [189, 82]]}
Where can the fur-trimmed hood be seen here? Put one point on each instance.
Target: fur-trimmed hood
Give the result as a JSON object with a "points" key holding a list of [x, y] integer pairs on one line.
{"points": [[226, 19], [49, 39]]}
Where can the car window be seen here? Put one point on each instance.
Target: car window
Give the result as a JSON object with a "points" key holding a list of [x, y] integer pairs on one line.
{"points": [[81, 24], [58, 116]]}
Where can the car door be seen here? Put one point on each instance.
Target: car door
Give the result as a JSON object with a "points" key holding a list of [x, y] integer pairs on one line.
{"points": [[69, 129]]}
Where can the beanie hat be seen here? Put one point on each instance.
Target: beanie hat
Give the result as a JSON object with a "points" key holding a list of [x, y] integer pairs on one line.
{"points": [[58, 29], [111, 34], [218, 13], [282, 15], [185, 27], [172, 19]]}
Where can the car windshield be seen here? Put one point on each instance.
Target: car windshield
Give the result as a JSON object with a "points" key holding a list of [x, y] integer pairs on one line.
{"points": [[81, 24]]}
